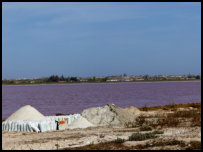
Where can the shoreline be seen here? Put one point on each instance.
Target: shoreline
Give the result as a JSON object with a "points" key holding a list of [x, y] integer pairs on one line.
{"points": [[100, 82]]}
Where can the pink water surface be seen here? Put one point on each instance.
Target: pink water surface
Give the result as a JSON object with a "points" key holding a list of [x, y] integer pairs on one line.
{"points": [[73, 98]]}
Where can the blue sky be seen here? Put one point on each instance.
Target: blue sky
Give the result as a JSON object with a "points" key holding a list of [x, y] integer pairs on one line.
{"points": [[100, 39]]}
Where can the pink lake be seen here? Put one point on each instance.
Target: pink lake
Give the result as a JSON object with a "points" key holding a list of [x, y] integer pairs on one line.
{"points": [[74, 98]]}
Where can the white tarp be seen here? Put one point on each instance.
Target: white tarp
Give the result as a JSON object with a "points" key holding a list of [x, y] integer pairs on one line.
{"points": [[29, 126], [37, 125]]}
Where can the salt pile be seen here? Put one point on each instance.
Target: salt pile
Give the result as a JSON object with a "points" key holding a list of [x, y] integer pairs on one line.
{"points": [[28, 113], [134, 110], [81, 122], [108, 115]]}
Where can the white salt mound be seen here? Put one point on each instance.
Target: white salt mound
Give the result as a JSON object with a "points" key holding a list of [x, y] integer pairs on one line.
{"points": [[81, 122], [27, 113]]}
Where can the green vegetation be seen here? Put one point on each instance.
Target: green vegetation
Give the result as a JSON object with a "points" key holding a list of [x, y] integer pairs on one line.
{"points": [[145, 136], [145, 128], [119, 140]]}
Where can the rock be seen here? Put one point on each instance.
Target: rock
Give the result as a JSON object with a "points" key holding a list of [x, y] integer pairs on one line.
{"points": [[108, 115]]}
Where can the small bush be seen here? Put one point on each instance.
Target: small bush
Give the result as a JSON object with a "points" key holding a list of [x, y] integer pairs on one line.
{"points": [[137, 137], [140, 120], [194, 145], [174, 142], [157, 132], [166, 143], [145, 108], [168, 121], [145, 128], [140, 137], [119, 140], [196, 121]]}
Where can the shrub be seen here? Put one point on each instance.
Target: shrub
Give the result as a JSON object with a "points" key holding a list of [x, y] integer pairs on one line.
{"points": [[119, 140], [137, 137], [145, 108], [145, 128], [194, 145], [174, 142], [166, 143], [157, 132], [140, 120], [168, 121], [140, 136]]}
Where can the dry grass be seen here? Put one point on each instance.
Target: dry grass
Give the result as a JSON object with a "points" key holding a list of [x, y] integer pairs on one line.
{"points": [[114, 145], [102, 146], [145, 128], [179, 118], [172, 106], [194, 145], [184, 118], [170, 142]]}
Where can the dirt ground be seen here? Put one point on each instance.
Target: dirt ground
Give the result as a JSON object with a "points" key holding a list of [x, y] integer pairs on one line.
{"points": [[178, 137], [89, 136]]}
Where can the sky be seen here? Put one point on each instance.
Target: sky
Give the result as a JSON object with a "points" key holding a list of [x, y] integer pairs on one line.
{"points": [[40, 39]]}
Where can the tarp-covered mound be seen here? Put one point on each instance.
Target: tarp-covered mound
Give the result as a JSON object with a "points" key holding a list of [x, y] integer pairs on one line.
{"points": [[29, 126], [108, 115], [28, 113], [28, 119]]}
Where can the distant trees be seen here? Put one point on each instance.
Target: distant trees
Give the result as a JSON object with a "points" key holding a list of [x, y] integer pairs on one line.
{"points": [[8, 82], [56, 78], [125, 75], [146, 77], [67, 79], [53, 78], [62, 78], [197, 77], [189, 76], [73, 79], [193, 76]]}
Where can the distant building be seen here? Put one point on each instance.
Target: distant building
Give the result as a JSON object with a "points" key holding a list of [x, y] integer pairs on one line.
{"points": [[113, 80], [83, 80]]}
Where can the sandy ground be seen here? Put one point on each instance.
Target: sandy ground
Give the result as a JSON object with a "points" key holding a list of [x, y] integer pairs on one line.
{"points": [[94, 135], [65, 138], [82, 137]]}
